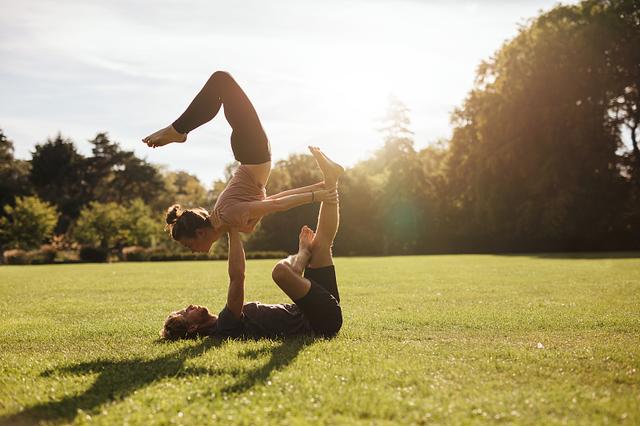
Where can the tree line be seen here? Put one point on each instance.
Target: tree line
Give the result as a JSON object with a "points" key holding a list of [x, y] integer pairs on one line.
{"points": [[543, 157], [108, 200]]}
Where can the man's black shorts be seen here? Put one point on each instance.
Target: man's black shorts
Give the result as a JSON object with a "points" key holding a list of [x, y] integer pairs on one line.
{"points": [[321, 305]]}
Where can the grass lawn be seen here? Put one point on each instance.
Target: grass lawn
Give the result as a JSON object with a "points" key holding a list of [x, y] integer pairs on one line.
{"points": [[426, 339]]}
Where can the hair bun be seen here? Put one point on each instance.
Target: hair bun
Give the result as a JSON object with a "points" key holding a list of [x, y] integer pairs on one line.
{"points": [[173, 213]]}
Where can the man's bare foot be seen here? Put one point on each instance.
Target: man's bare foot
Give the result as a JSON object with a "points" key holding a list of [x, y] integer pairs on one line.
{"points": [[330, 169], [164, 136], [305, 240]]}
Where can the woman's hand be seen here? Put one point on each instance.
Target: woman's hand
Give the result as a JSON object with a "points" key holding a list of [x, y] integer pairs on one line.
{"points": [[326, 196]]}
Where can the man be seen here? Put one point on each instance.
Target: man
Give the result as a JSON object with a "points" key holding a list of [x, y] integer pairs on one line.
{"points": [[308, 278]]}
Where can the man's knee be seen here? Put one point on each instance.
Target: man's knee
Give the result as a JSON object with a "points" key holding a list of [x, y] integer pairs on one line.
{"points": [[279, 272]]}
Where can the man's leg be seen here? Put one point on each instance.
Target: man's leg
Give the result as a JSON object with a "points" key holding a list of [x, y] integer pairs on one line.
{"points": [[316, 294], [329, 216], [314, 252], [326, 231], [287, 275], [315, 249]]}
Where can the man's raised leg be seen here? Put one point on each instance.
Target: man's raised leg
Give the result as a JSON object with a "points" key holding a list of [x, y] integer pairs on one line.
{"points": [[314, 248], [329, 216], [326, 230], [314, 252], [288, 272]]}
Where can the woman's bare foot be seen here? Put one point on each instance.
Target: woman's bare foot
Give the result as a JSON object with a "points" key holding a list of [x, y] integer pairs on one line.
{"points": [[330, 169], [164, 136]]}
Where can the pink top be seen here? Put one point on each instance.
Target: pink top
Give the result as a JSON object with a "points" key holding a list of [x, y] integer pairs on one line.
{"points": [[241, 188]]}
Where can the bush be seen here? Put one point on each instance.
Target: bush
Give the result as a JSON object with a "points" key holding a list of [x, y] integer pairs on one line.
{"points": [[68, 256], [159, 255], [135, 254], [46, 254], [15, 257], [100, 225], [266, 254], [93, 254], [113, 225], [29, 223], [162, 255], [141, 227]]}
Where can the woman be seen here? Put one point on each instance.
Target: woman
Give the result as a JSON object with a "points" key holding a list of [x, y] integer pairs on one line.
{"points": [[315, 309], [243, 202]]}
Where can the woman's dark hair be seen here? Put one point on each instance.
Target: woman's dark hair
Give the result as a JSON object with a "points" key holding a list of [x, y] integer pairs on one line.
{"points": [[182, 223]]}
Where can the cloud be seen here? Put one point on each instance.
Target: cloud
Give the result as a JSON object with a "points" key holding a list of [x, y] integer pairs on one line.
{"points": [[317, 72]]}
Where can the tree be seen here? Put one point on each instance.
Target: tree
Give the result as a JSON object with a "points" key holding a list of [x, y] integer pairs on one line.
{"points": [[28, 224], [398, 219], [112, 225], [182, 188], [101, 225], [120, 176], [534, 161], [360, 231], [14, 174], [140, 226], [401, 207], [63, 176], [59, 176]]}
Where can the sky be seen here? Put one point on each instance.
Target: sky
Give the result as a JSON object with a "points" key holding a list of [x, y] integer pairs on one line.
{"points": [[318, 72]]}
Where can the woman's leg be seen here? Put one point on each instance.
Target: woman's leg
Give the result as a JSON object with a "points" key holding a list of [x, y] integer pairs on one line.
{"points": [[315, 187], [220, 89], [248, 139]]}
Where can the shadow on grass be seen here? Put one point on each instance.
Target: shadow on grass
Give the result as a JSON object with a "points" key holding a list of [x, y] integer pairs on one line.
{"points": [[118, 379], [280, 357]]}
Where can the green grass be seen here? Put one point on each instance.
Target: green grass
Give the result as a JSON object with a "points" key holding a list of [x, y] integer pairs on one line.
{"points": [[431, 339]]}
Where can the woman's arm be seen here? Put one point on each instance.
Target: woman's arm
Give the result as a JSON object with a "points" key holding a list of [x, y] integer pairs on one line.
{"points": [[235, 296], [301, 190], [257, 209]]}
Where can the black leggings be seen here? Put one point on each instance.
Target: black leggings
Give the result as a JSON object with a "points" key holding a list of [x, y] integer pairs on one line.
{"points": [[321, 305], [248, 140]]}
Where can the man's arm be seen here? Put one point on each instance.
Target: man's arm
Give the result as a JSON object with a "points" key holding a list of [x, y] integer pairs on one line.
{"points": [[235, 296]]}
